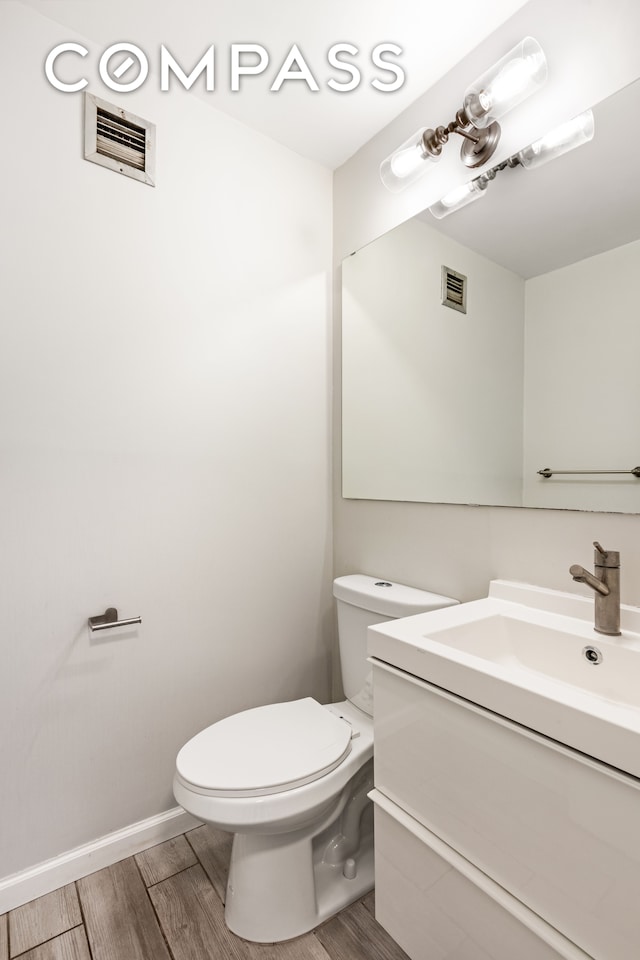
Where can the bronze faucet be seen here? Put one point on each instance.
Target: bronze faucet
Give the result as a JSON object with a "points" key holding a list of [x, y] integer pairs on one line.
{"points": [[606, 585]]}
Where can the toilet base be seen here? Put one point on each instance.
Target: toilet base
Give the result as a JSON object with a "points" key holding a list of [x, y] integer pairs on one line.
{"points": [[269, 911], [282, 886]]}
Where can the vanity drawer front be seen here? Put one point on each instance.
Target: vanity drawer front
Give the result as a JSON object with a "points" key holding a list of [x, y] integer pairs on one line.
{"points": [[438, 906], [558, 830]]}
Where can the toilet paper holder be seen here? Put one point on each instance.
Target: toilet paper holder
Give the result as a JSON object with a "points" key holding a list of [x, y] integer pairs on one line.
{"points": [[109, 619]]}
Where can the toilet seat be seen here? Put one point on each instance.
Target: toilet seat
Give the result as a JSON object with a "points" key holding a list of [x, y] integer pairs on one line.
{"points": [[265, 750]]}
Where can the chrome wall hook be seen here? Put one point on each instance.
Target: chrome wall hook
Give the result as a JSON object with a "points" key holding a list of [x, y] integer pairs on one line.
{"points": [[109, 619]]}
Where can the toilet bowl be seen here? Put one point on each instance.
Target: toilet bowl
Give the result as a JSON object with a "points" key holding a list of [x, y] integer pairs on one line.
{"points": [[290, 845], [290, 781]]}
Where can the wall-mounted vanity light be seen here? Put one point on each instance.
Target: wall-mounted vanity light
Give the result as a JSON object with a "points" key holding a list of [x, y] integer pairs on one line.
{"points": [[516, 76], [560, 140]]}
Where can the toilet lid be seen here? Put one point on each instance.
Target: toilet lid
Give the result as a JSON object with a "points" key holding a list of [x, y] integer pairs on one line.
{"points": [[265, 750]]}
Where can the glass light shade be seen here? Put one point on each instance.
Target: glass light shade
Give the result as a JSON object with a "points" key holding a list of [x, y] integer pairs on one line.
{"points": [[520, 73], [406, 164], [560, 140], [458, 198]]}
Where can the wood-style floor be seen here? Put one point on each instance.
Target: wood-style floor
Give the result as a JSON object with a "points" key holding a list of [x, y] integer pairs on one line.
{"points": [[167, 903]]}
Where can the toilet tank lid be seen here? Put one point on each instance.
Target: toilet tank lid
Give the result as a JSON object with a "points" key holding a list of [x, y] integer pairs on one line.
{"points": [[385, 597]]}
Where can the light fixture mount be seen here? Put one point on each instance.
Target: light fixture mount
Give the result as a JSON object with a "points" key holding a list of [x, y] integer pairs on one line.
{"points": [[480, 147]]}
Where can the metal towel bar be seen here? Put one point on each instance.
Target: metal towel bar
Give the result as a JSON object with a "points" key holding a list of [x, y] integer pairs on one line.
{"points": [[548, 472], [109, 619]]}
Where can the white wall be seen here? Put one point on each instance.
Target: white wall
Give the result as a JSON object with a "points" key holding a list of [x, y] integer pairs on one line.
{"points": [[164, 413], [582, 404], [420, 401], [452, 549]]}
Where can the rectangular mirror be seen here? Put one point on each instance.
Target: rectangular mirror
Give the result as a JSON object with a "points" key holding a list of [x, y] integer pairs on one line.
{"points": [[542, 369]]}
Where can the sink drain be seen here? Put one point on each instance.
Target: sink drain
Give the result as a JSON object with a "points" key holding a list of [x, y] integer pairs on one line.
{"points": [[592, 654]]}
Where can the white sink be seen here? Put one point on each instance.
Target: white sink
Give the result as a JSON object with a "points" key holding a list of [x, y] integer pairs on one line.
{"points": [[533, 656], [557, 653]]}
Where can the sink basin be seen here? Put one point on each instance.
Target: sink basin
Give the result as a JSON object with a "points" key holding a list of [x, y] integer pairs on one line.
{"points": [[559, 654], [531, 655]]}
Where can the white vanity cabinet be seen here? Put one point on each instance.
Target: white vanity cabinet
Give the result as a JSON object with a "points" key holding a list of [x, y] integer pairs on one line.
{"points": [[494, 842]]}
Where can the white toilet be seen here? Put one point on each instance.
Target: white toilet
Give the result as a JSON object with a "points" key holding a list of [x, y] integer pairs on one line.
{"points": [[290, 780]]}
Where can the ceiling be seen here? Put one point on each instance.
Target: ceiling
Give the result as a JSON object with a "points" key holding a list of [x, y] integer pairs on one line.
{"points": [[326, 126]]}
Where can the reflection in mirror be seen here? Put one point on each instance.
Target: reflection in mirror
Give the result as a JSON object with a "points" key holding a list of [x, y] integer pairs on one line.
{"points": [[541, 371]]}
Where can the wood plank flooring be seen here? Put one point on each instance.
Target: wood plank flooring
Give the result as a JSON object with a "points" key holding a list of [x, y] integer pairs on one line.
{"points": [[37, 922], [167, 903]]}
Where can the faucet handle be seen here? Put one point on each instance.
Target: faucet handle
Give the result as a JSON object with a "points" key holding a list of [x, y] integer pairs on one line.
{"points": [[605, 558]]}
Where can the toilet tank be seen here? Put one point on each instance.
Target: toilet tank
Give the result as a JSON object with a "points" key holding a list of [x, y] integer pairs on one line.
{"points": [[361, 602]]}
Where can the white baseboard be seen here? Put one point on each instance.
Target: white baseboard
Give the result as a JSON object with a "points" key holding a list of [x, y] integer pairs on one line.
{"points": [[34, 882]]}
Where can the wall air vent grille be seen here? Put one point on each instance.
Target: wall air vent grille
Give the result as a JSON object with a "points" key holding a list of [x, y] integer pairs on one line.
{"points": [[119, 140], [454, 289]]}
